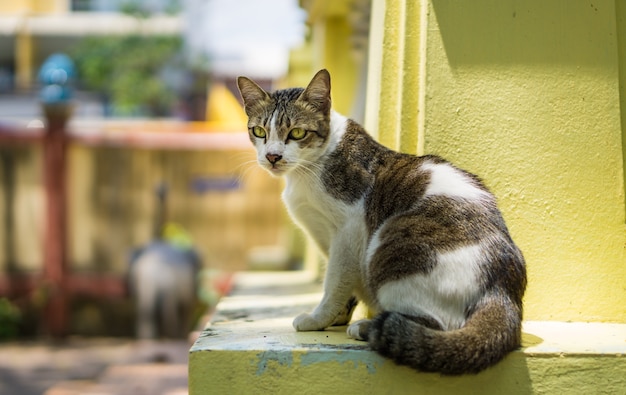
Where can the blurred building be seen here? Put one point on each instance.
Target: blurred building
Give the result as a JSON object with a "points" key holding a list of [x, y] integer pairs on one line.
{"points": [[31, 30], [217, 194]]}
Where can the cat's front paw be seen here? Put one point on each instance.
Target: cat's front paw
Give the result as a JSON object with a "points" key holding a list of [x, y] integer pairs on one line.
{"points": [[306, 322]]}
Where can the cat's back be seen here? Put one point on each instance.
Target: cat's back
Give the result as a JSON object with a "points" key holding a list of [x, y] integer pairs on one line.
{"points": [[390, 182]]}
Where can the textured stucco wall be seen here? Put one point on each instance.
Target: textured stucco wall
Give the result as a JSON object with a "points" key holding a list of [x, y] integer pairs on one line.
{"points": [[525, 94]]}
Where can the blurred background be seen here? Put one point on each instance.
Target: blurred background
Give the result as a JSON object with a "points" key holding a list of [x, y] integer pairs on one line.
{"points": [[152, 103], [123, 141]]}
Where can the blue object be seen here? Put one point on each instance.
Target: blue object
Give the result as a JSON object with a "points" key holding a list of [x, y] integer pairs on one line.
{"points": [[57, 76]]}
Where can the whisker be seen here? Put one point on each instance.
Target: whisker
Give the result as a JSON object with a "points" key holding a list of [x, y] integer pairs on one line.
{"points": [[246, 169], [246, 164]]}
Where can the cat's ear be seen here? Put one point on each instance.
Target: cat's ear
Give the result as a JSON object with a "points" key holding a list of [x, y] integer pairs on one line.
{"points": [[318, 91], [251, 93]]}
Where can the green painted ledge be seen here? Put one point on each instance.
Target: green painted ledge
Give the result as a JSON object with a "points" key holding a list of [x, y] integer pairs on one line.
{"points": [[250, 347]]}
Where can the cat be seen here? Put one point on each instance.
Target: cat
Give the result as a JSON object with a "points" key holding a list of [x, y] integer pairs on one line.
{"points": [[162, 278], [418, 240]]}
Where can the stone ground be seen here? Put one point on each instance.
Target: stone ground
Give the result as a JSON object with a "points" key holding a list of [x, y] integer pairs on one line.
{"points": [[94, 366]]}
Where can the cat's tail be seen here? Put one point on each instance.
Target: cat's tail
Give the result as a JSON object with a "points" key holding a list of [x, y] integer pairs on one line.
{"points": [[491, 331]]}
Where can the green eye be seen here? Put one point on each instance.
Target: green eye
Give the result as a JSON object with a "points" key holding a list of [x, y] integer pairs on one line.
{"points": [[259, 132], [297, 134]]}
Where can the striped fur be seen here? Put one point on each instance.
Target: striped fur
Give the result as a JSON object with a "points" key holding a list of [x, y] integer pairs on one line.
{"points": [[418, 240]]}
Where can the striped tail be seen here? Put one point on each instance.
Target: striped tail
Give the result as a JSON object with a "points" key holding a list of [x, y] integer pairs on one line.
{"points": [[492, 330]]}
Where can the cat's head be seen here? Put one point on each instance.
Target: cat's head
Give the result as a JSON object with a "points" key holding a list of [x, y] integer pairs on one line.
{"points": [[290, 127]]}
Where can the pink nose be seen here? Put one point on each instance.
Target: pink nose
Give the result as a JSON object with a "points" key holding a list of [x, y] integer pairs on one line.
{"points": [[273, 158]]}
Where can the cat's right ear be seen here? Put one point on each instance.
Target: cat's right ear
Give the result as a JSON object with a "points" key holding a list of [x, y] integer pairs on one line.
{"points": [[250, 92]]}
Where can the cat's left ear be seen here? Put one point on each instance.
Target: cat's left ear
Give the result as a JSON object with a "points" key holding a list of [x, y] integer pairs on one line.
{"points": [[318, 91], [251, 93]]}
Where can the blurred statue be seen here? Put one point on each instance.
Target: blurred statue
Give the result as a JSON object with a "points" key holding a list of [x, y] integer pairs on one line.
{"points": [[163, 279]]}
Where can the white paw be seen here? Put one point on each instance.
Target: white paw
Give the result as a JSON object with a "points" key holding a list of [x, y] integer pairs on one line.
{"points": [[358, 330], [306, 322]]}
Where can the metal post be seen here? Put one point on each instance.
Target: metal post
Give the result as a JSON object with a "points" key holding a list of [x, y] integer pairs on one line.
{"points": [[55, 270], [56, 77]]}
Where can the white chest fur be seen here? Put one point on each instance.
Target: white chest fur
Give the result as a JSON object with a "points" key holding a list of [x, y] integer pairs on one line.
{"points": [[317, 212], [337, 227]]}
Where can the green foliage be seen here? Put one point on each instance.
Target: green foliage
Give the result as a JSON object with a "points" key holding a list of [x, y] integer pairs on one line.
{"points": [[139, 8], [135, 8], [128, 69], [10, 317]]}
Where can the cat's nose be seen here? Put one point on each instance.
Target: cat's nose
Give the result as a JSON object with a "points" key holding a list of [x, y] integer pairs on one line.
{"points": [[273, 158]]}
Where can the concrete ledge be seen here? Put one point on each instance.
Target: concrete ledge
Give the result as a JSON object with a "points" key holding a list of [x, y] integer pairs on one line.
{"points": [[250, 347]]}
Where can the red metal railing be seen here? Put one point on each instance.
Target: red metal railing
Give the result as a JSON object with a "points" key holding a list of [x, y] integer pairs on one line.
{"points": [[58, 283]]}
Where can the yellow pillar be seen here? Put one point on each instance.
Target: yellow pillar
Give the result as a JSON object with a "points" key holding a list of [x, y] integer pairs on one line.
{"points": [[527, 95], [24, 41], [394, 84], [332, 50], [24, 50], [50, 6], [620, 11], [35, 6], [389, 100]]}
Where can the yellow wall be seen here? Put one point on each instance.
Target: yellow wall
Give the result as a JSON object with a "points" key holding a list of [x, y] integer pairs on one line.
{"points": [[526, 94]]}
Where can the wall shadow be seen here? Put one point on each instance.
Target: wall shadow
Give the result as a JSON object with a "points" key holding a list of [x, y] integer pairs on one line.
{"points": [[525, 32]]}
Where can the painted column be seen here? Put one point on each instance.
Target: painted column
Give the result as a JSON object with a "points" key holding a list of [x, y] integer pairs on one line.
{"points": [[394, 93], [24, 51], [526, 95]]}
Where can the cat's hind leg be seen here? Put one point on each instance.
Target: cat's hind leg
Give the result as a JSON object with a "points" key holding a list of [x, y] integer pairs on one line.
{"points": [[346, 314], [359, 330]]}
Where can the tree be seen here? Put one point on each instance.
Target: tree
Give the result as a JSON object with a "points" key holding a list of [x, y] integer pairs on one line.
{"points": [[129, 70]]}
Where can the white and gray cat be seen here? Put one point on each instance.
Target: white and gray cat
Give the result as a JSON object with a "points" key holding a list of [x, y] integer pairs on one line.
{"points": [[418, 240]]}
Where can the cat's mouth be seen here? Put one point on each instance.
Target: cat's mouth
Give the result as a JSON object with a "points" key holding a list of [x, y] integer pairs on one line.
{"points": [[275, 166], [276, 169]]}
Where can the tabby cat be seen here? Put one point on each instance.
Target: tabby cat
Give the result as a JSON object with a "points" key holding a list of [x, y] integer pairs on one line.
{"points": [[418, 240]]}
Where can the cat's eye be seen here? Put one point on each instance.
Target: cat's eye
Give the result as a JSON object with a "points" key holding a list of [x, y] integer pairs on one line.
{"points": [[259, 132], [297, 134]]}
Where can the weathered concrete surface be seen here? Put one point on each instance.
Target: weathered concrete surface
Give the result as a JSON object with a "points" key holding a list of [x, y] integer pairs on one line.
{"points": [[251, 347]]}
